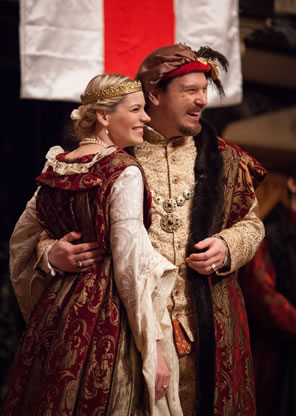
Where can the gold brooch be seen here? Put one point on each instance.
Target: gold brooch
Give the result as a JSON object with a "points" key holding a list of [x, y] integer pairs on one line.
{"points": [[170, 223]]}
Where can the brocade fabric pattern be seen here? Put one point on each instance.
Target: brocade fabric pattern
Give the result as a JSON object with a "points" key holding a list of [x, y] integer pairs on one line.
{"points": [[169, 168], [72, 352]]}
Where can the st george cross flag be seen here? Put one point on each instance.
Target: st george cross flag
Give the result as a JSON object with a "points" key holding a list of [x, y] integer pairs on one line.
{"points": [[63, 44]]}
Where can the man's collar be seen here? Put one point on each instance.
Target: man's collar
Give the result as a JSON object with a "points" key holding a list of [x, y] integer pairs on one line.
{"points": [[152, 136]]}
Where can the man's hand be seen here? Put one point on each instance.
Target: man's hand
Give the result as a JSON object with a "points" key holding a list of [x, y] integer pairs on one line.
{"points": [[210, 260], [69, 257], [163, 375]]}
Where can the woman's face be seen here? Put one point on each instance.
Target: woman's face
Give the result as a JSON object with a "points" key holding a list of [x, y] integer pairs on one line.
{"points": [[126, 123]]}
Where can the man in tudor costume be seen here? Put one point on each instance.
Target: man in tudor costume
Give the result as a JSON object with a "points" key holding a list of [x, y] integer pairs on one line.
{"points": [[204, 220], [269, 285], [202, 187]]}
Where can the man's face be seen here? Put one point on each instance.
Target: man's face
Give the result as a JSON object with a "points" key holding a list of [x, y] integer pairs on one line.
{"points": [[180, 106]]}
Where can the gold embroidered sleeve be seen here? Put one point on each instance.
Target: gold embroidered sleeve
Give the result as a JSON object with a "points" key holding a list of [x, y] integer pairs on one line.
{"points": [[243, 230], [243, 239]]}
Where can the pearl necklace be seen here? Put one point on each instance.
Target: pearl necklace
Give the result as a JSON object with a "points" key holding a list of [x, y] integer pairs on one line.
{"points": [[94, 140]]}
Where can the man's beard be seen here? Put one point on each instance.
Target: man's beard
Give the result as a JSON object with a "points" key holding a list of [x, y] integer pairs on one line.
{"points": [[190, 131]]}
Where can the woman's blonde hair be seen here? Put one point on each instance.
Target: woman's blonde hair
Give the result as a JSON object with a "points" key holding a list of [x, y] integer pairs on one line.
{"points": [[84, 116]]}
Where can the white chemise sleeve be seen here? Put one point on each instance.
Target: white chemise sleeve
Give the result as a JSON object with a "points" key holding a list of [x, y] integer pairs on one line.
{"points": [[144, 278]]}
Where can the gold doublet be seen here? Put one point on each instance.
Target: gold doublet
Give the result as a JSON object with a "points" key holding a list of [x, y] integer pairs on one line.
{"points": [[169, 170]]}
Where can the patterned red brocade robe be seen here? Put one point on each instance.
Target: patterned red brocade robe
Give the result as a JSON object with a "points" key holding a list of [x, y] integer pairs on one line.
{"points": [[77, 355], [169, 168]]}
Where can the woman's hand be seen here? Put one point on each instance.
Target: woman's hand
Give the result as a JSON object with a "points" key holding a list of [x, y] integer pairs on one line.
{"points": [[68, 257], [163, 374]]}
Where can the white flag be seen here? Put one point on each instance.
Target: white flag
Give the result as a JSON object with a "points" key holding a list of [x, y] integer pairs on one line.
{"points": [[63, 44]]}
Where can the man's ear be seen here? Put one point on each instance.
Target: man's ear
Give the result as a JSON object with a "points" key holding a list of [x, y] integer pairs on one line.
{"points": [[154, 96], [102, 117], [291, 185]]}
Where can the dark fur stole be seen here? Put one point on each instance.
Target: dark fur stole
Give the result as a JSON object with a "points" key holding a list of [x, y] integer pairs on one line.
{"points": [[206, 220]]}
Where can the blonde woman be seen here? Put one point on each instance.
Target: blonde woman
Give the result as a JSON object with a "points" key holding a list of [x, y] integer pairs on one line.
{"points": [[99, 341]]}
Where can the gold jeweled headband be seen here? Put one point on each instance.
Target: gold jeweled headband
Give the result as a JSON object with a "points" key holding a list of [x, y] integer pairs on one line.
{"points": [[110, 92]]}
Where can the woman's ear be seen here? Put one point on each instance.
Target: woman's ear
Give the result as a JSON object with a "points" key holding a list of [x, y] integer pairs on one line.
{"points": [[102, 117], [153, 96]]}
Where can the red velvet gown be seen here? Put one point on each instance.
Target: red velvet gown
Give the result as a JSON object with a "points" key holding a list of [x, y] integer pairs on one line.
{"points": [[66, 358]]}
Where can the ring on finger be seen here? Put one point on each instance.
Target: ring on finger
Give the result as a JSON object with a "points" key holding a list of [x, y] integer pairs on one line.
{"points": [[79, 263], [213, 267]]}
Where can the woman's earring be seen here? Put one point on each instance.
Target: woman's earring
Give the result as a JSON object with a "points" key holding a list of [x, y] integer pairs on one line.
{"points": [[107, 132]]}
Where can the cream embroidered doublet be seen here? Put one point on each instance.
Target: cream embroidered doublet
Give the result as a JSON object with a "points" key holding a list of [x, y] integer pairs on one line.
{"points": [[170, 172]]}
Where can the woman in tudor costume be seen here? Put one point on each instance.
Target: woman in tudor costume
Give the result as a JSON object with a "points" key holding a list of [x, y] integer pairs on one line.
{"points": [[96, 340]]}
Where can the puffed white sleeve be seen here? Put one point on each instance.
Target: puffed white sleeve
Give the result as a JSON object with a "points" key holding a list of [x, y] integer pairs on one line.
{"points": [[143, 277]]}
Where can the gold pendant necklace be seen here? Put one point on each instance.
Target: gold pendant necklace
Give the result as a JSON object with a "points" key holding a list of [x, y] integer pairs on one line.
{"points": [[170, 222]]}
